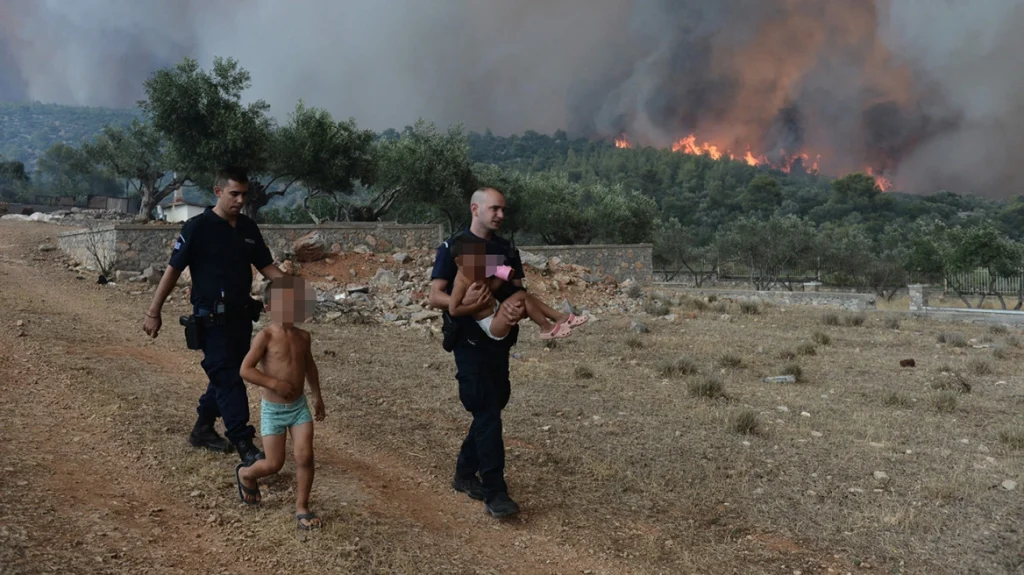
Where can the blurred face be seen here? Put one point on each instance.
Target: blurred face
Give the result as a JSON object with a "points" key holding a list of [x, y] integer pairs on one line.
{"points": [[231, 198], [474, 263], [291, 305], [489, 211]]}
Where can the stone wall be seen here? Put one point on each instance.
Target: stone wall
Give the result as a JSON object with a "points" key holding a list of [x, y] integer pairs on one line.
{"points": [[134, 247], [846, 301], [94, 247], [619, 261]]}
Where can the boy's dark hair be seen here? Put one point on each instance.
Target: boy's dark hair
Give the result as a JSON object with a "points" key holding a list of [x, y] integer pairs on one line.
{"points": [[466, 244], [234, 173], [282, 282]]}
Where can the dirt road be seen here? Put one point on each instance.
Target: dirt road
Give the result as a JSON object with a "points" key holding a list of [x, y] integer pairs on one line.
{"points": [[96, 475]]}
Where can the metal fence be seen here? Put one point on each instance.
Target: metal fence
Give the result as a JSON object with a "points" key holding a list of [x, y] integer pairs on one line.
{"points": [[977, 282]]}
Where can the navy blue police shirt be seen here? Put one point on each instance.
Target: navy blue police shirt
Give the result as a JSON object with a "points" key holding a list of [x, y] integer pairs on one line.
{"points": [[446, 269], [219, 257]]}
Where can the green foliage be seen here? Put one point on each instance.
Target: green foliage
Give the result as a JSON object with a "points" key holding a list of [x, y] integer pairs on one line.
{"points": [[773, 249], [28, 129], [68, 172]]}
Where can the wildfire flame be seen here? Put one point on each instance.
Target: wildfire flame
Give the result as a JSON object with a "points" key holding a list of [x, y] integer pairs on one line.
{"points": [[690, 145]]}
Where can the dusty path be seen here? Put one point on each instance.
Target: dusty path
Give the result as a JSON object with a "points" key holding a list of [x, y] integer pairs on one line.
{"points": [[96, 475], [84, 489]]}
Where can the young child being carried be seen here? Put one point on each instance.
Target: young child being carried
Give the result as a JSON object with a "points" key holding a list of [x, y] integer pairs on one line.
{"points": [[287, 360], [471, 258]]}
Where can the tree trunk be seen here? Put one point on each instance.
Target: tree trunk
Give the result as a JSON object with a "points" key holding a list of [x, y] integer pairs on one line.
{"points": [[149, 203]]}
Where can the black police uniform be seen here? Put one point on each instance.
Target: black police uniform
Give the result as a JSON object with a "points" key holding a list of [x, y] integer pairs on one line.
{"points": [[482, 371], [219, 256]]}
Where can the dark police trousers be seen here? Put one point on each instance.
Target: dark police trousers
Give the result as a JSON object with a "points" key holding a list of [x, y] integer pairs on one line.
{"points": [[224, 349], [484, 389]]}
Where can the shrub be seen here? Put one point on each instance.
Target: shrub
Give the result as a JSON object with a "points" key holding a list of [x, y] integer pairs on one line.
{"points": [[998, 330], [635, 291], [892, 323], [746, 423], [707, 387], [721, 307], [712, 298], [1000, 352], [634, 342], [822, 338], [953, 339], [1012, 341], [695, 304], [945, 401], [787, 354], [830, 318]]}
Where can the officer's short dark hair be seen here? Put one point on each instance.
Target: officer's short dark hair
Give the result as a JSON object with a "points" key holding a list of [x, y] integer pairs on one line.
{"points": [[466, 244], [234, 173]]}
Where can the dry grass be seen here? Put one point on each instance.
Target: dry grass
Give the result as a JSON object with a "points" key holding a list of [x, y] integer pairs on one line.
{"points": [[807, 349], [822, 338], [998, 330], [707, 387], [677, 367], [1013, 438], [1012, 341], [793, 369], [787, 354], [896, 399], [730, 361], [855, 320], [830, 319], [999, 352], [750, 308], [634, 342], [892, 323], [945, 401], [583, 372], [955, 339], [720, 307], [978, 366], [746, 423]]}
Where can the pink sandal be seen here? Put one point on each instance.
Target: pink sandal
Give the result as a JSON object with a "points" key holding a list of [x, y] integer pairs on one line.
{"points": [[558, 332], [576, 320]]}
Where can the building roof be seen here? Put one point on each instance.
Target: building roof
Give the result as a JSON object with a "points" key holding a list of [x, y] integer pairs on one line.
{"points": [[190, 197]]}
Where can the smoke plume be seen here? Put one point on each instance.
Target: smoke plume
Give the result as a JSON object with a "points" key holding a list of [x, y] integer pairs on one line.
{"points": [[926, 92]]}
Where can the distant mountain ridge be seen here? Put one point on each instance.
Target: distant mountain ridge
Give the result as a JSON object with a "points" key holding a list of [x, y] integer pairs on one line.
{"points": [[28, 129]]}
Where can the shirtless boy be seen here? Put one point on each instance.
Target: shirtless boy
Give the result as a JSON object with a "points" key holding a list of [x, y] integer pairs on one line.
{"points": [[285, 355], [471, 259]]}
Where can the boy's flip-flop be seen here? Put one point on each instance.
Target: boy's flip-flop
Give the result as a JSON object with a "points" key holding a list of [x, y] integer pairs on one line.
{"points": [[577, 320], [308, 517], [243, 490], [559, 331]]}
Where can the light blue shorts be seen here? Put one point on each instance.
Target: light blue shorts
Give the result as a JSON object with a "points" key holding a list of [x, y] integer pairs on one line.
{"points": [[276, 418]]}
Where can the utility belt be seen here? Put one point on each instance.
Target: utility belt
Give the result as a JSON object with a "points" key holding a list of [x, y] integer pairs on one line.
{"points": [[221, 314]]}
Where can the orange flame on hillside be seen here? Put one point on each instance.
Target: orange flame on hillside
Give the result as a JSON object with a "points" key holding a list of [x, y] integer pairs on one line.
{"points": [[690, 145]]}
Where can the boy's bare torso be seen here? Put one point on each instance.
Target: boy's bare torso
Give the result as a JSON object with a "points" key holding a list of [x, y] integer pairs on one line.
{"points": [[285, 359]]}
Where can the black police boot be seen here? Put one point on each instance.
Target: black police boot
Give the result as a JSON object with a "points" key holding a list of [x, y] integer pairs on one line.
{"points": [[471, 487], [203, 435], [501, 506], [248, 452]]}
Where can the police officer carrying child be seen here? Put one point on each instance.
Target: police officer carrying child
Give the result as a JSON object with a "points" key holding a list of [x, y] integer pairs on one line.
{"points": [[482, 363], [218, 246]]}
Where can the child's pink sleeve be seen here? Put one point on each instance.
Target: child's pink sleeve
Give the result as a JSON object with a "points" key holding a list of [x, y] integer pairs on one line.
{"points": [[503, 272]]}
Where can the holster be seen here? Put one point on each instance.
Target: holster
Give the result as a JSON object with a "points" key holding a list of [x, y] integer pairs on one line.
{"points": [[449, 332], [194, 332]]}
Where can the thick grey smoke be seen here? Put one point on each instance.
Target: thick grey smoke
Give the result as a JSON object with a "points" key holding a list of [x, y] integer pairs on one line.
{"points": [[927, 92]]}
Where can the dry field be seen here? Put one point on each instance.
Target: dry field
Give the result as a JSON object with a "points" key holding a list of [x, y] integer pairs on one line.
{"points": [[660, 452]]}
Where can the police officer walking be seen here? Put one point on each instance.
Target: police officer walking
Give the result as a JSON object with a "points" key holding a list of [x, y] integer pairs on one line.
{"points": [[218, 246], [482, 363]]}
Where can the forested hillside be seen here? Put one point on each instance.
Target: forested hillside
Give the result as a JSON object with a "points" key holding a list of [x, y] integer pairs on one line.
{"points": [[27, 130]]}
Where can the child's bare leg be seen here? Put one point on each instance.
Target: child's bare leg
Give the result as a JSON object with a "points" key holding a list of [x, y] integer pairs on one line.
{"points": [[273, 447], [535, 310], [302, 437], [548, 311]]}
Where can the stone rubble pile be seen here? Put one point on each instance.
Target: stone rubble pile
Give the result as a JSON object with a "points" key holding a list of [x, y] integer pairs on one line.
{"points": [[71, 218]]}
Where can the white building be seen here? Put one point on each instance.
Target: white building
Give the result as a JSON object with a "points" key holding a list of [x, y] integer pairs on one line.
{"points": [[178, 209]]}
